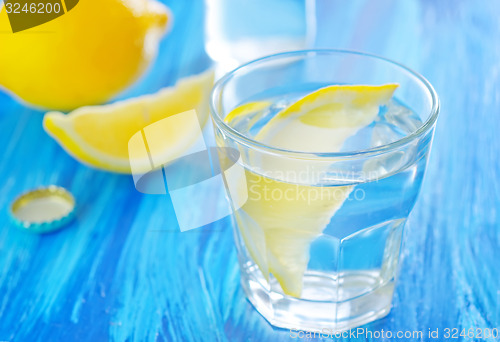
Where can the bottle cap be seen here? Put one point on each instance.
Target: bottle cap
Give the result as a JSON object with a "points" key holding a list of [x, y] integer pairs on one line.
{"points": [[43, 210]]}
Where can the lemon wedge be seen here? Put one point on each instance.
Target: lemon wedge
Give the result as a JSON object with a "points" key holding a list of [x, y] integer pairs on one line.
{"points": [[99, 135], [278, 229]]}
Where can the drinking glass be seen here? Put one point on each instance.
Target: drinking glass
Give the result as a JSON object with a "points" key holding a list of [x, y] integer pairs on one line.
{"points": [[319, 235]]}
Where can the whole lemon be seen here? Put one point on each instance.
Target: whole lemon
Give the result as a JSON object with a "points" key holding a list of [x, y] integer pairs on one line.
{"points": [[85, 56]]}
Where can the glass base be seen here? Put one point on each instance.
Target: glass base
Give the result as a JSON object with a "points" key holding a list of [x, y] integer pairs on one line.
{"points": [[322, 307]]}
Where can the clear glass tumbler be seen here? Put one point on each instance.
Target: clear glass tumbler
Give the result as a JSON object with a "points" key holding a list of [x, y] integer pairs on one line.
{"points": [[319, 234]]}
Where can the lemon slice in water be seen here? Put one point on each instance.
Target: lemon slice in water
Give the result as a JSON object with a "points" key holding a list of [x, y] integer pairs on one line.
{"points": [[278, 230]]}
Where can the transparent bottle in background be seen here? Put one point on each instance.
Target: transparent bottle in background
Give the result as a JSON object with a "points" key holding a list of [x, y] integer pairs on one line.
{"points": [[238, 31]]}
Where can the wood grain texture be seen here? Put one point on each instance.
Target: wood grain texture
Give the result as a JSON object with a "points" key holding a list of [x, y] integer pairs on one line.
{"points": [[124, 272]]}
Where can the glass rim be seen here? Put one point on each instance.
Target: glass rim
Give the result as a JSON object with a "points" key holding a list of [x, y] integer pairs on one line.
{"points": [[249, 142]]}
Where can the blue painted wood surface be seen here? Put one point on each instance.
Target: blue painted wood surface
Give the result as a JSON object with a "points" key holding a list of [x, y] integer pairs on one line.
{"points": [[124, 272]]}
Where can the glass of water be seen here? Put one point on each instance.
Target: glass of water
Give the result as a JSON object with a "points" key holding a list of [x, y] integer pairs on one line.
{"points": [[319, 235]]}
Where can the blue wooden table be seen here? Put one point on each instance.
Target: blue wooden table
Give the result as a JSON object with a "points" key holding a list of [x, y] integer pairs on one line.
{"points": [[122, 271]]}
